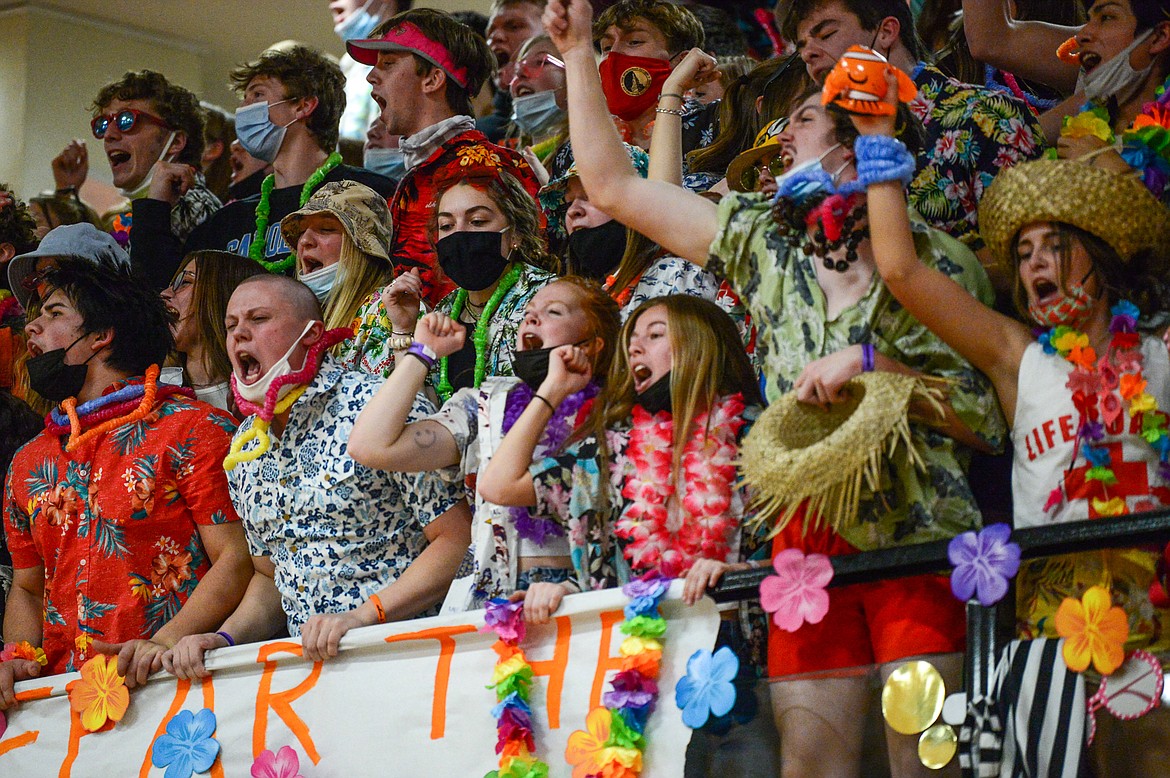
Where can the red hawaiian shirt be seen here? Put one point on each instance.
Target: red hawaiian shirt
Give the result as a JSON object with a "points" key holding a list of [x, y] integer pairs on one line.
{"points": [[414, 200], [116, 525]]}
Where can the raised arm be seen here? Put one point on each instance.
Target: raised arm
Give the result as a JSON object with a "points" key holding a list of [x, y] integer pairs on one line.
{"points": [[381, 438], [678, 220], [666, 152], [1024, 48]]}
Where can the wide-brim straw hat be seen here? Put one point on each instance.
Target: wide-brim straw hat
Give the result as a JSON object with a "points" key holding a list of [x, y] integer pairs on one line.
{"points": [[1115, 207], [363, 214], [767, 142], [798, 452]]}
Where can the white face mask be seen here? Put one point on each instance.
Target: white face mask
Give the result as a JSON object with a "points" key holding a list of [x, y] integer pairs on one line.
{"points": [[255, 392], [1116, 77], [812, 163], [140, 190], [321, 281]]}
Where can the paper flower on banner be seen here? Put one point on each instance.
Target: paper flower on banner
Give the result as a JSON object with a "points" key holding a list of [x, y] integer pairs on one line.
{"points": [[188, 746], [1094, 630], [796, 593], [706, 690], [283, 764], [984, 564], [504, 618], [24, 650], [585, 750], [101, 694], [645, 594]]}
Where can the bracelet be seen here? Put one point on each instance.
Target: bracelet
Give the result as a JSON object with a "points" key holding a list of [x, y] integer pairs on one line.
{"points": [[551, 407], [400, 334], [374, 598], [672, 94], [670, 111], [880, 158], [867, 358], [231, 640], [425, 353], [398, 342]]}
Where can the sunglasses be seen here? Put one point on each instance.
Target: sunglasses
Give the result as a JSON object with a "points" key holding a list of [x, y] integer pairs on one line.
{"points": [[750, 177], [125, 120], [530, 67]]}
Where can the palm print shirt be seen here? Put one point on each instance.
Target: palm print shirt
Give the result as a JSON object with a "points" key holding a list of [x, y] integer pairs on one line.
{"points": [[116, 524], [779, 284], [337, 531]]}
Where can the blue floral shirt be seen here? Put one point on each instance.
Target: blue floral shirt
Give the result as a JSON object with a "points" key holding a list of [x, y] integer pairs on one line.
{"points": [[336, 530]]}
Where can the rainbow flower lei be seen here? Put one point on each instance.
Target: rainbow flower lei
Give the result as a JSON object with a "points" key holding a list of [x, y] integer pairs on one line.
{"points": [[611, 746], [1092, 383], [511, 681]]}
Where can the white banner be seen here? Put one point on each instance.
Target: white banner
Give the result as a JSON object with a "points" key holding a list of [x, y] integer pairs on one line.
{"points": [[405, 699]]}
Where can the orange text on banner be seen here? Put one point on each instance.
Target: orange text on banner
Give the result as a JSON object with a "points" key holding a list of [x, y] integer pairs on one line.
{"points": [[281, 701], [20, 741], [605, 662], [446, 638], [554, 669]]}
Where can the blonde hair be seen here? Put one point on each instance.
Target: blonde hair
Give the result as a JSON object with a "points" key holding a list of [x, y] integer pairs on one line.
{"points": [[359, 275]]}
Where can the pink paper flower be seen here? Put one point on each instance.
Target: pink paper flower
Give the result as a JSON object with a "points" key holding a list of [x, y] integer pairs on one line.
{"points": [[283, 764], [796, 594]]}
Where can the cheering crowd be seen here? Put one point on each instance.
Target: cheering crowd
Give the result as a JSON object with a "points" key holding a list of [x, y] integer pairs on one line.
{"points": [[491, 309]]}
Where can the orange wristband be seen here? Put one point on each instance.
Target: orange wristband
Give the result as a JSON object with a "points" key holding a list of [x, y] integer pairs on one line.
{"points": [[378, 606]]}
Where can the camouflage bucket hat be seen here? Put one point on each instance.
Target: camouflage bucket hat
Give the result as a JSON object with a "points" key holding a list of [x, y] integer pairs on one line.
{"points": [[362, 212]]}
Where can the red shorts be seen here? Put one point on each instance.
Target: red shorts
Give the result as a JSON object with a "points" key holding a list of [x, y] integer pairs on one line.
{"points": [[867, 624]]}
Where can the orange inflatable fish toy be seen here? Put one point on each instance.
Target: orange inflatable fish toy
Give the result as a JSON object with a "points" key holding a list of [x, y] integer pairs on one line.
{"points": [[857, 83]]}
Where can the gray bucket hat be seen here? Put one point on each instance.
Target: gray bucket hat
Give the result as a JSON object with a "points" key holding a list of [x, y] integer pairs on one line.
{"points": [[83, 241]]}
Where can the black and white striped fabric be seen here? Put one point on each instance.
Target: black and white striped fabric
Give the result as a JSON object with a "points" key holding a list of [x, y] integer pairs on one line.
{"points": [[1040, 705]]}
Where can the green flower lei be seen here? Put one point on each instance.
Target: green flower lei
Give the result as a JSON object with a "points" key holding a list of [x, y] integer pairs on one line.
{"points": [[264, 209], [481, 331]]}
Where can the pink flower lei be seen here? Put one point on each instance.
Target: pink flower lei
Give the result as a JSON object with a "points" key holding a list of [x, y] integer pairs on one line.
{"points": [[705, 529]]}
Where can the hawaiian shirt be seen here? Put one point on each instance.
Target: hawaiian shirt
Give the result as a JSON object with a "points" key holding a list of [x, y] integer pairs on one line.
{"points": [[116, 526], [971, 134], [191, 210], [415, 201], [337, 531], [369, 351], [778, 283]]}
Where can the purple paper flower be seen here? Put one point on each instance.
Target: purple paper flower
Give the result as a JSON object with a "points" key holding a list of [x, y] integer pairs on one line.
{"points": [[533, 528], [983, 563], [1093, 431], [631, 689], [644, 594], [504, 618], [706, 690]]}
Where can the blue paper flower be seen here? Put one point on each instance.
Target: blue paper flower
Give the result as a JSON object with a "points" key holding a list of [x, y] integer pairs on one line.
{"points": [[644, 594], [983, 563], [187, 747], [706, 690]]}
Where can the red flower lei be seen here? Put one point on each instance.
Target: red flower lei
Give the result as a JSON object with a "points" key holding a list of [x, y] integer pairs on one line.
{"points": [[705, 528]]}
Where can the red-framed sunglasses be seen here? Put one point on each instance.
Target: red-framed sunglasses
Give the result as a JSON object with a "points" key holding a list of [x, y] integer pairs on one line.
{"points": [[530, 67], [125, 120]]}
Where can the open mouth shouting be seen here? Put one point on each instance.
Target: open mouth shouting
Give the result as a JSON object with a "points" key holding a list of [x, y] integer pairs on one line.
{"points": [[643, 376], [248, 368], [530, 341], [1089, 61], [309, 263], [120, 162], [1045, 291]]}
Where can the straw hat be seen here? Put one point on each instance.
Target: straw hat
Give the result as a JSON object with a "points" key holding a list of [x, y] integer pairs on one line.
{"points": [[767, 142], [1116, 207], [797, 451], [362, 212]]}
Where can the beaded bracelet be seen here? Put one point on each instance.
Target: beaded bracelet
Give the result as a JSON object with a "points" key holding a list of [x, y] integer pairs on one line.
{"points": [[230, 640], [671, 111], [425, 353], [881, 158], [398, 342], [868, 358]]}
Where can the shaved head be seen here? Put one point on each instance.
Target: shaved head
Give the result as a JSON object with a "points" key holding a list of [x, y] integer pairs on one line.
{"points": [[285, 291]]}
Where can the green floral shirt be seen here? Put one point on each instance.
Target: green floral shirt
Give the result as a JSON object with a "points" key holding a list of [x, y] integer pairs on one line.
{"points": [[779, 285]]}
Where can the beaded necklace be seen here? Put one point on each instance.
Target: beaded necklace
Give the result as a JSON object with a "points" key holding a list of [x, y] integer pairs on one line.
{"points": [[1092, 383], [264, 210], [509, 280]]}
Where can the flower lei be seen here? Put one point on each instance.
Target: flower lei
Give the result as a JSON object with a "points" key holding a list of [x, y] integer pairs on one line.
{"points": [[127, 405], [264, 211], [480, 336], [1092, 383], [511, 680], [614, 739], [622, 296], [562, 423], [274, 404], [656, 539], [24, 650]]}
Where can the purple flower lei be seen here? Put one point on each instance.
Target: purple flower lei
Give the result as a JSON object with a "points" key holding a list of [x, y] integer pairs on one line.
{"points": [[556, 433]]}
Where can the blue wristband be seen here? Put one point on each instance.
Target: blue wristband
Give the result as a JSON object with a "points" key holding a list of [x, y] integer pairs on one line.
{"points": [[868, 358], [231, 641], [881, 158]]}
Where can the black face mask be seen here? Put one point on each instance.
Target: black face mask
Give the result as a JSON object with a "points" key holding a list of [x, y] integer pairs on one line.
{"points": [[51, 378], [656, 398], [595, 251], [531, 366], [472, 259]]}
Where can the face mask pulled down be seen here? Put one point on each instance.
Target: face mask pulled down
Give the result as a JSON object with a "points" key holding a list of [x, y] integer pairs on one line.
{"points": [[256, 391], [51, 378]]}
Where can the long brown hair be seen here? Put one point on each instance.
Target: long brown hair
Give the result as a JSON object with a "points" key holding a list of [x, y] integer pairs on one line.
{"points": [[219, 273]]}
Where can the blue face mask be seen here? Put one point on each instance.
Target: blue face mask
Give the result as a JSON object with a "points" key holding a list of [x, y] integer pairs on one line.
{"points": [[357, 25], [256, 132], [808, 179], [537, 113], [386, 162], [321, 281]]}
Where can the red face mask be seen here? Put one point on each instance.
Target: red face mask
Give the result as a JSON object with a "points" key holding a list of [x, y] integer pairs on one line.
{"points": [[632, 84]]}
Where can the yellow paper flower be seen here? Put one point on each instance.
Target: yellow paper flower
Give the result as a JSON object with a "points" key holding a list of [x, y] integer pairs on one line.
{"points": [[634, 645], [1070, 340], [1143, 403], [101, 694], [1094, 631], [510, 666], [585, 749], [1114, 507], [1087, 124]]}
